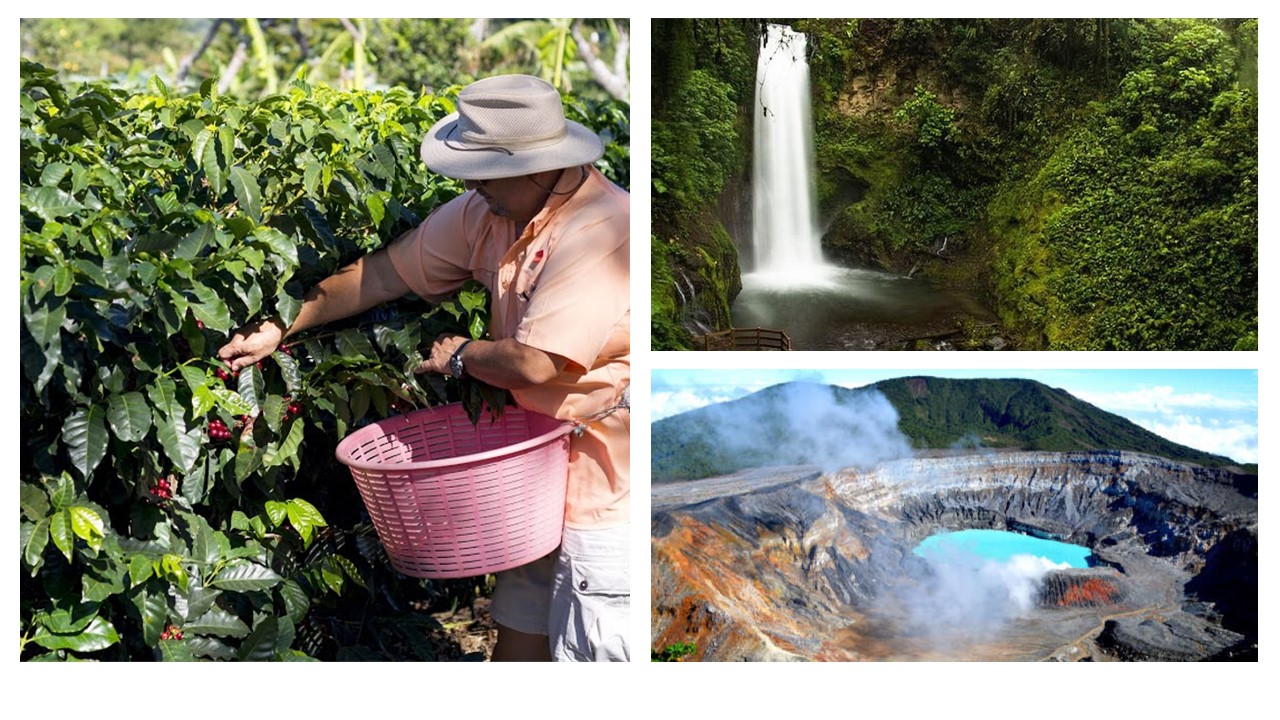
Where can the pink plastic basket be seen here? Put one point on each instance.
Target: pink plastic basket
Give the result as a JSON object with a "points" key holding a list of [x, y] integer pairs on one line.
{"points": [[451, 499]]}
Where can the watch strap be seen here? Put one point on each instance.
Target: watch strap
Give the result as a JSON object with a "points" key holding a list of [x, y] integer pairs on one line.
{"points": [[456, 368]]}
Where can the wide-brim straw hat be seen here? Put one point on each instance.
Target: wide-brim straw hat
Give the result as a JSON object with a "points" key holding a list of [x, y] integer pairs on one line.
{"points": [[506, 126]]}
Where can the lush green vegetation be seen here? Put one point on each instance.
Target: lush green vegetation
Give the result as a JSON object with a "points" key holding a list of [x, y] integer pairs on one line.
{"points": [[251, 57], [1093, 180], [170, 511], [932, 413], [704, 79]]}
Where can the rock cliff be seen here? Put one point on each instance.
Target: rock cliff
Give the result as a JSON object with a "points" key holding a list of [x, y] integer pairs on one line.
{"points": [[796, 564]]}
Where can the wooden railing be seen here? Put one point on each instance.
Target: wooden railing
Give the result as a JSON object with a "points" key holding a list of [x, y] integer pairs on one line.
{"points": [[743, 339]]}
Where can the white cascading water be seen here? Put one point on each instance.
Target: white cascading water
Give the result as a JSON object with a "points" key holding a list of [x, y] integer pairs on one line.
{"points": [[785, 233]]}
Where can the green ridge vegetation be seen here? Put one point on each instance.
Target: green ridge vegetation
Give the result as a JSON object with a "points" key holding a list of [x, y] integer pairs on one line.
{"points": [[933, 413]]}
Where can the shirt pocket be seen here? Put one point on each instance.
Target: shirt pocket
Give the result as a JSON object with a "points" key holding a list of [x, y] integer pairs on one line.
{"points": [[529, 275]]}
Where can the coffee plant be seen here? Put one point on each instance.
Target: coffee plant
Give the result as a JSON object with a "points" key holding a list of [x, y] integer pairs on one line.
{"points": [[172, 510]]}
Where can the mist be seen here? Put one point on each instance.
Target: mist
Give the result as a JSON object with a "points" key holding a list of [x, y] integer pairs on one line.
{"points": [[808, 424], [963, 595]]}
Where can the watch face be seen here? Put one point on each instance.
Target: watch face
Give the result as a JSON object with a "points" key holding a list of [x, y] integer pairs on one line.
{"points": [[455, 362]]}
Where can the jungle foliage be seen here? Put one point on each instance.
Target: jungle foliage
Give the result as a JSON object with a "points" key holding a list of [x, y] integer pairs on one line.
{"points": [[704, 85], [171, 511], [1094, 180]]}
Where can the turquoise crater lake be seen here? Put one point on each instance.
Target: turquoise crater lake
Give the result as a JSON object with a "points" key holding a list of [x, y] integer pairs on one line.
{"points": [[1001, 546]]}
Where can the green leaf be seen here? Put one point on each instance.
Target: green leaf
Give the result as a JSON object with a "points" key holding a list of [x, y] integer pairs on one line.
{"points": [[53, 173], [261, 643], [280, 245], [248, 194], [217, 622], [190, 247], [155, 243], [63, 492], [231, 401], [212, 170], [248, 458], [246, 577], [227, 136], [473, 300], [85, 434], [203, 400], [210, 648], [33, 500], [287, 306], [102, 580], [140, 570], [376, 209], [87, 525], [44, 324], [210, 309], [360, 400], [99, 635], [273, 411], [250, 385], [71, 620], [289, 370], [176, 651], [276, 512], [182, 446], [155, 614], [304, 517], [349, 568], [296, 600], [171, 567], [129, 415], [311, 177], [33, 548], [332, 577], [353, 343], [286, 449], [63, 280], [200, 600], [50, 203], [206, 548]]}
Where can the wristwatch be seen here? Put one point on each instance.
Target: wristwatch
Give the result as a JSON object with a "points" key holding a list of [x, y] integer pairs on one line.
{"points": [[455, 361]]}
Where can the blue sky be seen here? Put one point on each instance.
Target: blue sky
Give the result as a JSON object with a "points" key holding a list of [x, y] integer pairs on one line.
{"points": [[1211, 410]]}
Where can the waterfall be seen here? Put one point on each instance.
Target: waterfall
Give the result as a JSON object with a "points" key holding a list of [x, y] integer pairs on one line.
{"points": [[785, 233]]}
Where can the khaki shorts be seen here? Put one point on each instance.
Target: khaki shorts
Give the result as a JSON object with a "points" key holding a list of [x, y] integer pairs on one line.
{"points": [[578, 596]]}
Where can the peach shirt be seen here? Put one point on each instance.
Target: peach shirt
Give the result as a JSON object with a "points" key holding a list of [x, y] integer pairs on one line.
{"points": [[563, 286]]}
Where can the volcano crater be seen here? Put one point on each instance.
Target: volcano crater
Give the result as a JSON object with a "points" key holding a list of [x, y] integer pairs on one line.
{"points": [[796, 564]]}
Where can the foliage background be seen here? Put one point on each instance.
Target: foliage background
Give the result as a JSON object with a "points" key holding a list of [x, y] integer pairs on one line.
{"points": [[152, 223]]}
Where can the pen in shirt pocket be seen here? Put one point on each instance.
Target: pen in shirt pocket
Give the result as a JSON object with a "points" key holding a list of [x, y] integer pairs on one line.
{"points": [[533, 265]]}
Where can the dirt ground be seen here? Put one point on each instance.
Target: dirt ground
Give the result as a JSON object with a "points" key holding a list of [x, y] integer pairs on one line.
{"points": [[469, 633]]}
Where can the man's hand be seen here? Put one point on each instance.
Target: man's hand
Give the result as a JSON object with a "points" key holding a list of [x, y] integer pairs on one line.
{"points": [[252, 343], [441, 351]]}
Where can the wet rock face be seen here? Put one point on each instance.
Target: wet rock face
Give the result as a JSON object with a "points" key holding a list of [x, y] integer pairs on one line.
{"points": [[813, 566]]}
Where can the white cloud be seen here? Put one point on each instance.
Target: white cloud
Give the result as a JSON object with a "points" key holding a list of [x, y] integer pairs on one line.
{"points": [[1162, 399], [666, 403], [1236, 440]]}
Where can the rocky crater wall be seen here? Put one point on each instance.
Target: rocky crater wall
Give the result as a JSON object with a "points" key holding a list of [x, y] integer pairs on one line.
{"points": [[801, 569]]}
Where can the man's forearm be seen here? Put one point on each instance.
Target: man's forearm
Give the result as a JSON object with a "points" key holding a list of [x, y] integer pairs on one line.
{"points": [[368, 282], [506, 363]]}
